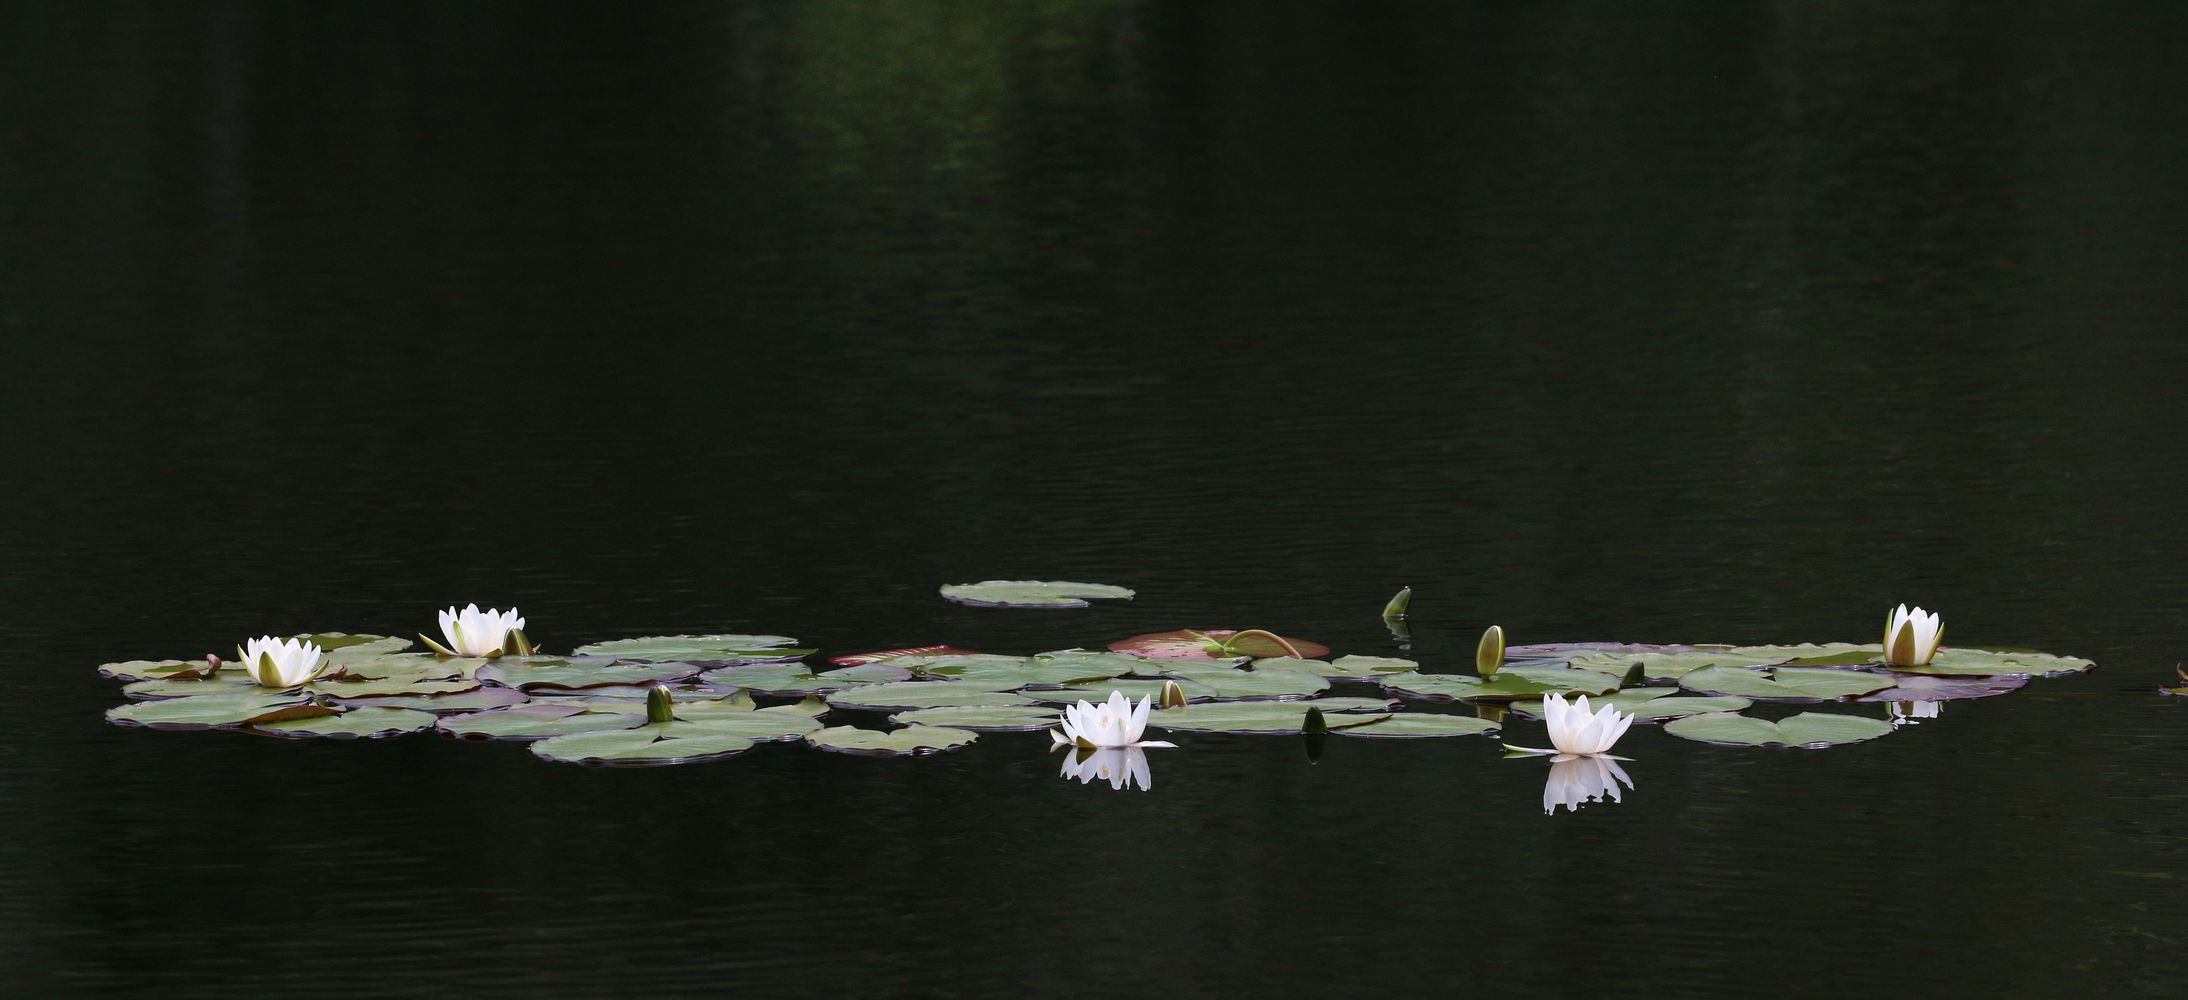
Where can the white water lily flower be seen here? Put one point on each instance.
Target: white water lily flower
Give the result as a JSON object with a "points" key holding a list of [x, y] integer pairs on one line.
{"points": [[1911, 637], [1577, 781], [1908, 713], [472, 632], [282, 664], [1574, 732], [1114, 723], [1122, 767]]}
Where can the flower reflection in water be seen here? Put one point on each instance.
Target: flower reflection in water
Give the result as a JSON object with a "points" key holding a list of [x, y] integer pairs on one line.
{"points": [[1578, 780], [1122, 767], [1909, 713]]}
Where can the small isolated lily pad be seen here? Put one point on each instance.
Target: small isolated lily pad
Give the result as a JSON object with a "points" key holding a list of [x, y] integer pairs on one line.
{"points": [[909, 695], [981, 718], [1252, 717], [698, 648], [357, 723], [1809, 730], [906, 742], [1193, 644], [651, 745], [1647, 704], [1513, 682], [1785, 683], [589, 673], [1258, 683], [1032, 593], [1967, 661], [535, 720], [477, 699], [1666, 666], [1418, 726], [216, 711]]}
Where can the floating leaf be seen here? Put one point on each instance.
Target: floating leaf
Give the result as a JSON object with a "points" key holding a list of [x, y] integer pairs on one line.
{"points": [[908, 695], [216, 711], [1647, 704], [652, 745], [419, 666], [1663, 666], [343, 645], [1512, 682], [1806, 730], [228, 681], [1020, 672], [1342, 668], [478, 699], [905, 742], [794, 680], [879, 656], [1568, 650], [1257, 683], [1032, 593], [1132, 688], [381, 687], [1924, 687], [359, 723], [698, 648], [1253, 717], [536, 720], [1189, 644], [591, 673], [1421, 725], [981, 718], [1968, 661], [1808, 654], [153, 670], [1785, 683], [781, 722]]}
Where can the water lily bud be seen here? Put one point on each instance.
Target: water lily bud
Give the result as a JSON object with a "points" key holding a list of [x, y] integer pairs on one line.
{"points": [[1173, 695], [519, 644], [660, 704], [1315, 723], [1399, 603], [1636, 675], [1490, 654]]}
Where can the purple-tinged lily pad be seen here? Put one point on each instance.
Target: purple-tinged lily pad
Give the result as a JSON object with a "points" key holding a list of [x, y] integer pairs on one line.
{"points": [[1925, 687]]}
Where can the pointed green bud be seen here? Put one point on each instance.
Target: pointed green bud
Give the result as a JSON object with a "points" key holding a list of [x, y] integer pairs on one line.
{"points": [[1636, 675], [1173, 695], [516, 643], [660, 704], [1490, 654], [1399, 603], [1315, 723]]}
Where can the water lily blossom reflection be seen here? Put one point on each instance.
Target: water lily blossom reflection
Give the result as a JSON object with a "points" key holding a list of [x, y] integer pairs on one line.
{"points": [[1122, 767], [1577, 781], [1114, 723], [1574, 732], [1908, 713], [282, 664], [1911, 637], [472, 632]]}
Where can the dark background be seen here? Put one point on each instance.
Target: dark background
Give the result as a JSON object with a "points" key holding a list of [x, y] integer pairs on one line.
{"points": [[1670, 322]]}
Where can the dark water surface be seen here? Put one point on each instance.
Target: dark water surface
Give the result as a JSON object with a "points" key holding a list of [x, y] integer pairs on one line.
{"points": [[1671, 322]]}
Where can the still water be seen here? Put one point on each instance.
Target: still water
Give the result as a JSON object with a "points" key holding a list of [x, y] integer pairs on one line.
{"points": [[1676, 323]]}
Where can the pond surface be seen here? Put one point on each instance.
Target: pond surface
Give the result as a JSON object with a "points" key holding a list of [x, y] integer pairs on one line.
{"points": [[1672, 325]]}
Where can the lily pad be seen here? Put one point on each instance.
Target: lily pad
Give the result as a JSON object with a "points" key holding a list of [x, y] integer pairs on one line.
{"points": [[1253, 717], [1809, 730], [1647, 704], [344, 645], [1192, 644], [1568, 650], [535, 720], [884, 655], [1023, 672], [698, 648], [1926, 687], [1132, 688], [651, 745], [228, 681], [1256, 684], [371, 688], [906, 742], [216, 711], [794, 680], [1419, 725], [981, 719], [1666, 666], [1968, 661], [477, 699], [1785, 683], [591, 673], [1032, 593], [418, 666], [1811, 654], [154, 670], [781, 722], [1344, 667], [1513, 682], [358, 723], [909, 695]]}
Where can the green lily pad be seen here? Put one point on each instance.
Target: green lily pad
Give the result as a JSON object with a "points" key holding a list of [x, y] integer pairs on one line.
{"points": [[347, 646], [228, 681], [1647, 704], [882, 655], [357, 723], [795, 680], [1133, 688], [1666, 666], [1350, 667], [1419, 725], [781, 722], [1513, 682], [535, 720], [697, 648], [420, 665], [909, 695], [1032, 593], [1807, 730], [1192, 644], [1785, 683], [477, 699], [906, 742], [153, 670], [575, 674], [1809, 654], [1968, 661], [981, 718], [652, 745], [1255, 684], [1252, 717], [1118, 664], [371, 688], [216, 711]]}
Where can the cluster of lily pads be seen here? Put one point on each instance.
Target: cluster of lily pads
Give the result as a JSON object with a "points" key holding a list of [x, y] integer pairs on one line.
{"points": [[676, 699]]}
